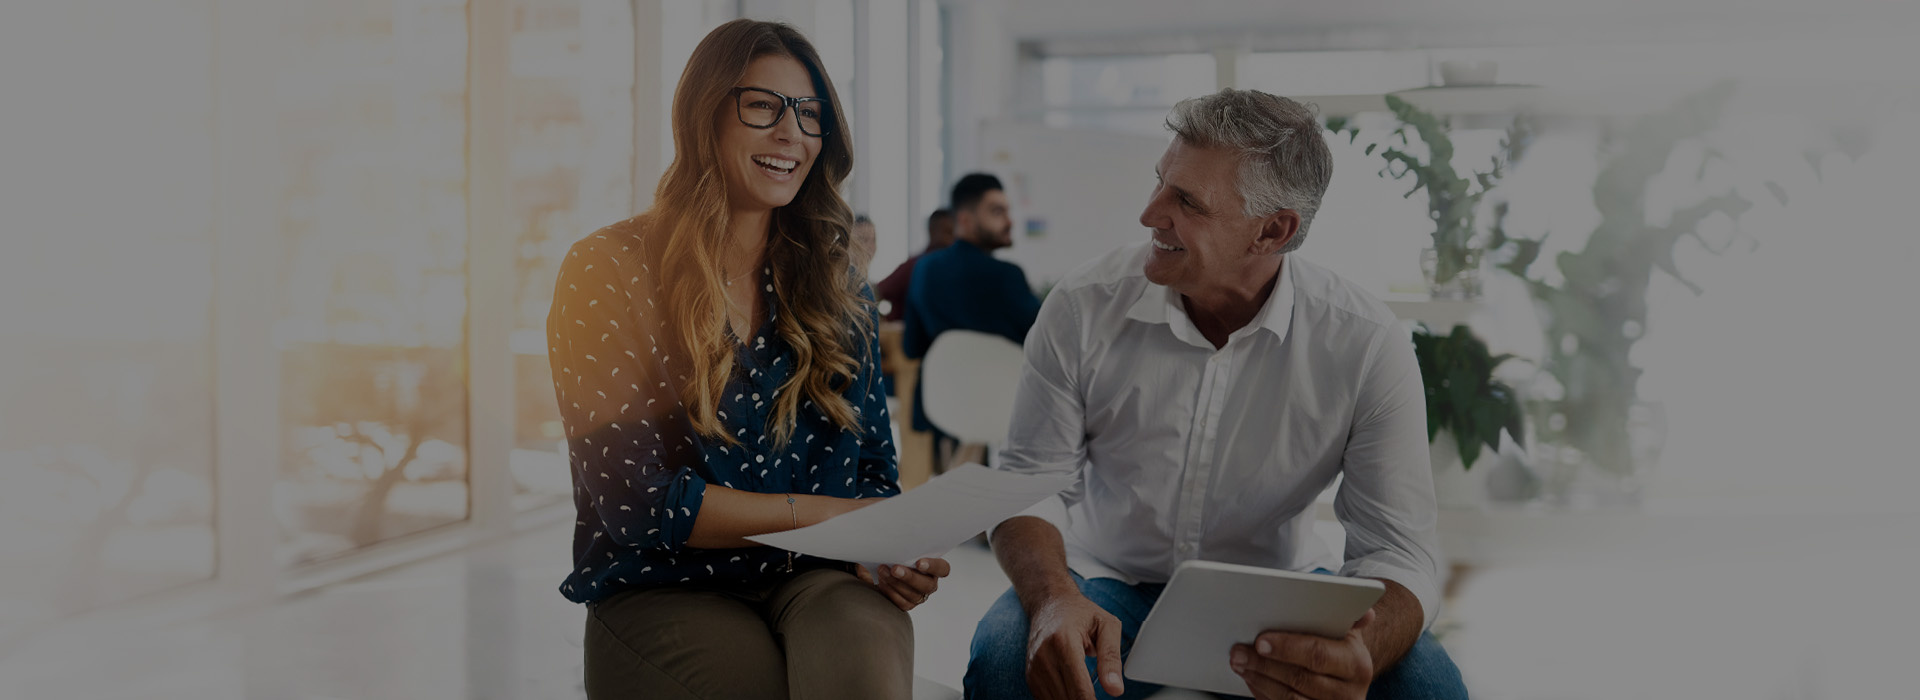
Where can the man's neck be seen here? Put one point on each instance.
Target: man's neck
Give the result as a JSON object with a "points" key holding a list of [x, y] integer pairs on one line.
{"points": [[983, 243], [1218, 312]]}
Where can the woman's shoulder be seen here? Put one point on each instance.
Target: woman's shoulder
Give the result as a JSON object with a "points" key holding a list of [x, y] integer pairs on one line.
{"points": [[613, 252], [621, 240]]}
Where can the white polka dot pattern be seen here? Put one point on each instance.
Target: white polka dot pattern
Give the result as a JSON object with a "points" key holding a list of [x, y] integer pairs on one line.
{"points": [[640, 470]]}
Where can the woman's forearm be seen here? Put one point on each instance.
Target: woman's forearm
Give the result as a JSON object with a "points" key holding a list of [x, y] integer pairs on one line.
{"points": [[728, 516]]}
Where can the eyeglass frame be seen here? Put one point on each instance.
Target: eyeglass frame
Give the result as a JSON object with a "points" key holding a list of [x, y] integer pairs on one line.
{"points": [[786, 104]]}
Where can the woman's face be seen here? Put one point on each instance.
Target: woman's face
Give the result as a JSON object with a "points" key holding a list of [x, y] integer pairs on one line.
{"points": [[764, 167]]}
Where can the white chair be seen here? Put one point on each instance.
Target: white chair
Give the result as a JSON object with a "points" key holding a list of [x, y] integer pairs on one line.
{"points": [[924, 689], [967, 385]]}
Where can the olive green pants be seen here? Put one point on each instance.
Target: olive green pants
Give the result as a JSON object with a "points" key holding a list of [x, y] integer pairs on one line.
{"points": [[818, 634]]}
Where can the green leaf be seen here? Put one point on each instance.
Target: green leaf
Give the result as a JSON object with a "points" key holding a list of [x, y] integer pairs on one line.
{"points": [[1516, 417], [1462, 397], [1469, 450], [1854, 140], [1486, 425], [1461, 386], [1577, 314], [1813, 161], [1779, 193], [1525, 252], [1705, 158]]}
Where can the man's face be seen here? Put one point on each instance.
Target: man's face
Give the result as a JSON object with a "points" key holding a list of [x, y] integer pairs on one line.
{"points": [[1200, 234], [941, 234], [988, 222]]}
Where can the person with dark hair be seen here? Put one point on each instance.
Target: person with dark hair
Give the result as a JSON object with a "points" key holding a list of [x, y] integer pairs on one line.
{"points": [[963, 287], [893, 289], [865, 240], [1203, 387], [716, 363]]}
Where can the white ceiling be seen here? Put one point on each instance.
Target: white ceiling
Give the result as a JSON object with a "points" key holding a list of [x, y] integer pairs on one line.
{"points": [[1086, 26]]}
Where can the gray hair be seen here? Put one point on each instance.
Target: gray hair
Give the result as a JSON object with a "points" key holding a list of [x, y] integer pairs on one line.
{"points": [[1284, 161]]}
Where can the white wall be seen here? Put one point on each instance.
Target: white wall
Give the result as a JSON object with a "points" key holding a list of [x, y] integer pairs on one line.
{"points": [[1086, 186], [665, 34], [979, 76], [880, 159]]}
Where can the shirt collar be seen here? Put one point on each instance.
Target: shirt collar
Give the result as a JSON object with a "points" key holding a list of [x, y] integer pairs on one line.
{"points": [[1158, 304]]}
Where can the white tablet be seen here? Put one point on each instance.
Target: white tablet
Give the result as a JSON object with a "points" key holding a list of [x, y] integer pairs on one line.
{"points": [[1187, 640]]}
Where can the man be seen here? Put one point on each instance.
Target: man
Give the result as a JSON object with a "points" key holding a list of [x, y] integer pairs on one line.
{"points": [[893, 289], [1205, 386], [963, 287], [865, 240]]}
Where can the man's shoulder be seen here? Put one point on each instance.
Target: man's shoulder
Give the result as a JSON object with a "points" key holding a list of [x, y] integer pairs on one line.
{"points": [[1108, 276], [971, 263], [1324, 294], [1005, 268], [933, 259]]}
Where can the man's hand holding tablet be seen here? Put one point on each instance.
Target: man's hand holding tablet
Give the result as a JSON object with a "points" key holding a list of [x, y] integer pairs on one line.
{"points": [[1209, 627], [1282, 665]]}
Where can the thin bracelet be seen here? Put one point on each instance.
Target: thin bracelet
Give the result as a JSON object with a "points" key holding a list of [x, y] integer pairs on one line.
{"points": [[795, 512]]}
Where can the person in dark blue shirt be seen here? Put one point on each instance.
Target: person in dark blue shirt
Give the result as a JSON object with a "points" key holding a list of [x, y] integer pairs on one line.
{"points": [[962, 286], [893, 289], [716, 364]]}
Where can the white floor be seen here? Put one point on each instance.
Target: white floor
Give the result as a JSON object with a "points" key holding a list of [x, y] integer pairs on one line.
{"points": [[1815, 616]]}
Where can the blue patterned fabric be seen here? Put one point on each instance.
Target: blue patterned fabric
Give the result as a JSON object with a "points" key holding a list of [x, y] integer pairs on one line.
{"points": [[639, 469]]}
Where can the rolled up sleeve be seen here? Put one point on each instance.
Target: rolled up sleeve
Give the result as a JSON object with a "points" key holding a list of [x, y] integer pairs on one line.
{"points": [[637, 475], [1048, 430], [1386, 498]]}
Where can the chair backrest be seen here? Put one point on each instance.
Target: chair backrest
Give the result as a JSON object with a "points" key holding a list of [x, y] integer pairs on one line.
{"points": [[968, 382]]}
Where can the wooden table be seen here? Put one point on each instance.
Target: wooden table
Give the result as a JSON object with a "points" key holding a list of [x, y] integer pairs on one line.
{"points": [[916, 446]]}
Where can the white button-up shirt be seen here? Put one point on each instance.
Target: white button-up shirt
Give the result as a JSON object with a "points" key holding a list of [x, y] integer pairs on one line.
{"points": [[1183, 451]]}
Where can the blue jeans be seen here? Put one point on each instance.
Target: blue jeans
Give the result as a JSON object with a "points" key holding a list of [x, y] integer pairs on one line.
{"points": [[997, 669]]}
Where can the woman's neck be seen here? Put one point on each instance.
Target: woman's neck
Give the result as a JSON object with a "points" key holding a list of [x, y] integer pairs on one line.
{"points": [[747, 239]]}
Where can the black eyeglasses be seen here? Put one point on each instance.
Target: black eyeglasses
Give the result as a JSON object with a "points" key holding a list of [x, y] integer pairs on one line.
{"points": [[762, 109]]}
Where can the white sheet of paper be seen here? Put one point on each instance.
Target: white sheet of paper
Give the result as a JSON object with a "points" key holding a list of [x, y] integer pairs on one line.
{"points": [[927, 521]]}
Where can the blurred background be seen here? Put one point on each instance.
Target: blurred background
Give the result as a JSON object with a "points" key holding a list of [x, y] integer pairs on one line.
{"points": [[275, 415]]}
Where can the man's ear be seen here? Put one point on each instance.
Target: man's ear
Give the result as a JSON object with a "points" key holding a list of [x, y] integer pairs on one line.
{"points": [[1276, 231]]}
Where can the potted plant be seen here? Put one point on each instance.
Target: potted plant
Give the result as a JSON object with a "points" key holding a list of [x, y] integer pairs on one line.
{"points": [[1467, 408], [1594, 311], [1452, 263]]}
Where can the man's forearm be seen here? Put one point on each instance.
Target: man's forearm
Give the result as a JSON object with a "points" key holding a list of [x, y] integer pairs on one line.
{"points": [[1397, 622], [1034, 557]]}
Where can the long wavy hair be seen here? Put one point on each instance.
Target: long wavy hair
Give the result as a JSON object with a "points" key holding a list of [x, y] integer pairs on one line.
{"points": [[822, 314]]}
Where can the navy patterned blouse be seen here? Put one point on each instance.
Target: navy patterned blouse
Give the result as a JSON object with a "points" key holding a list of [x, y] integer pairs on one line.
{"points": [[639, 468]]}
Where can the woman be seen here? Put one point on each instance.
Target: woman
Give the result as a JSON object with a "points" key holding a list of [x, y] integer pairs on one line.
{"points": [[715, 361]]}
